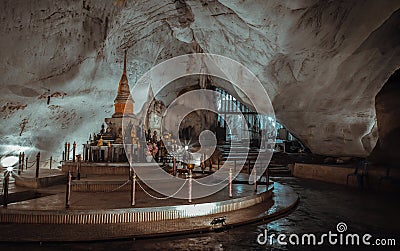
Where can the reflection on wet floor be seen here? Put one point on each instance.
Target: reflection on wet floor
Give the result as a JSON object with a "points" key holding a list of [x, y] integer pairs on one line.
{"points": [[322, 206]]}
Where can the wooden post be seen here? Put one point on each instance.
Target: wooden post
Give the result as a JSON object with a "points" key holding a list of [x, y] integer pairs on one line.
{"points": [[22, 161], [89, 154], [174, 165], [73, 151], [109, 152], [130, 175], [133, 189], [230, 182], [26, 163], [79, 166], [68, 150], [255, 178], [51, 161], [204, 157], [65, 152], [5, 188], [84, 152], [19, 163], [37, 164], [68, 192], [202, 164], [190, 185]]}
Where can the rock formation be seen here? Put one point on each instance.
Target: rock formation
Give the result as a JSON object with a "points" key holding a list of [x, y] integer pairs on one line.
{"points": [[321, 62]]}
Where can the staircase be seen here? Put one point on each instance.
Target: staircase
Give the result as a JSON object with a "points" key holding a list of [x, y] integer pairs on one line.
{"points": [[277, 170], [11, 184], [236, 151]]}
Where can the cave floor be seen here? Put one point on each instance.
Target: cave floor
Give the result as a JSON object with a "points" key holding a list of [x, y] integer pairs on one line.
{"points": [[322, 206]]}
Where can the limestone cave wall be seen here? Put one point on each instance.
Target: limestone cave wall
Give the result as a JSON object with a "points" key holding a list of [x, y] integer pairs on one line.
{"points": [[321, 62]]}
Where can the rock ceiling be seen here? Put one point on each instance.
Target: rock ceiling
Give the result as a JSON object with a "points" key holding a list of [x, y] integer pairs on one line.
{"points": [[321, 62]]}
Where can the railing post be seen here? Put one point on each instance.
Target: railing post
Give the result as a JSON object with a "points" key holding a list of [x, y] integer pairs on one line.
{"points": [[109, 152], [73, 151], [84, 152], [190, 185], [133, 188], [68, 150], [65, 152], [174, 165], [51, 161], [26, 163], [202, 162], [37, 164], [230, 182], [22, 161], [255, 178], [89, 154], [5, 187], [68, 192], [19, 163], [79, 166]]}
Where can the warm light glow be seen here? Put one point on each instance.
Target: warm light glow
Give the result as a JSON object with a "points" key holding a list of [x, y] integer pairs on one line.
{"points": [[198, 209], [10, 168], [9, 161]]}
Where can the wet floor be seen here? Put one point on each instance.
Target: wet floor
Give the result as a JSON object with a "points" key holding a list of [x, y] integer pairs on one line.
{"points": [[322, 206]]}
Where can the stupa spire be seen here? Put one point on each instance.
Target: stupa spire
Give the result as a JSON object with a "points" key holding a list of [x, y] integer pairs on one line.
{"points": [[123, 103], [124, 73]]}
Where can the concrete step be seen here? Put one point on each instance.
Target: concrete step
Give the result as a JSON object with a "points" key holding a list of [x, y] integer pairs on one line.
{"points": [[279, 170]]}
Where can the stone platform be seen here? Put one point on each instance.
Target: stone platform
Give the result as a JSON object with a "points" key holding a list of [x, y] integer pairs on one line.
{"points": [[46, 178], [338, 174], [108, 215], [97, 168]]}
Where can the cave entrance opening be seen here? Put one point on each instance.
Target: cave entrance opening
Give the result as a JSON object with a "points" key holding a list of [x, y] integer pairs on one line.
{"points": [[250, 125], [387, 106], [247, 124]]}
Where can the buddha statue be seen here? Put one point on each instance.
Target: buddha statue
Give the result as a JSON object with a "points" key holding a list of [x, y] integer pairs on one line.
{"points": [[100, 142]]}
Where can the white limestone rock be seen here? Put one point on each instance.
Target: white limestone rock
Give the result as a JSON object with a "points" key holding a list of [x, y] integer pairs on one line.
{"points": [[321, 62]]}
